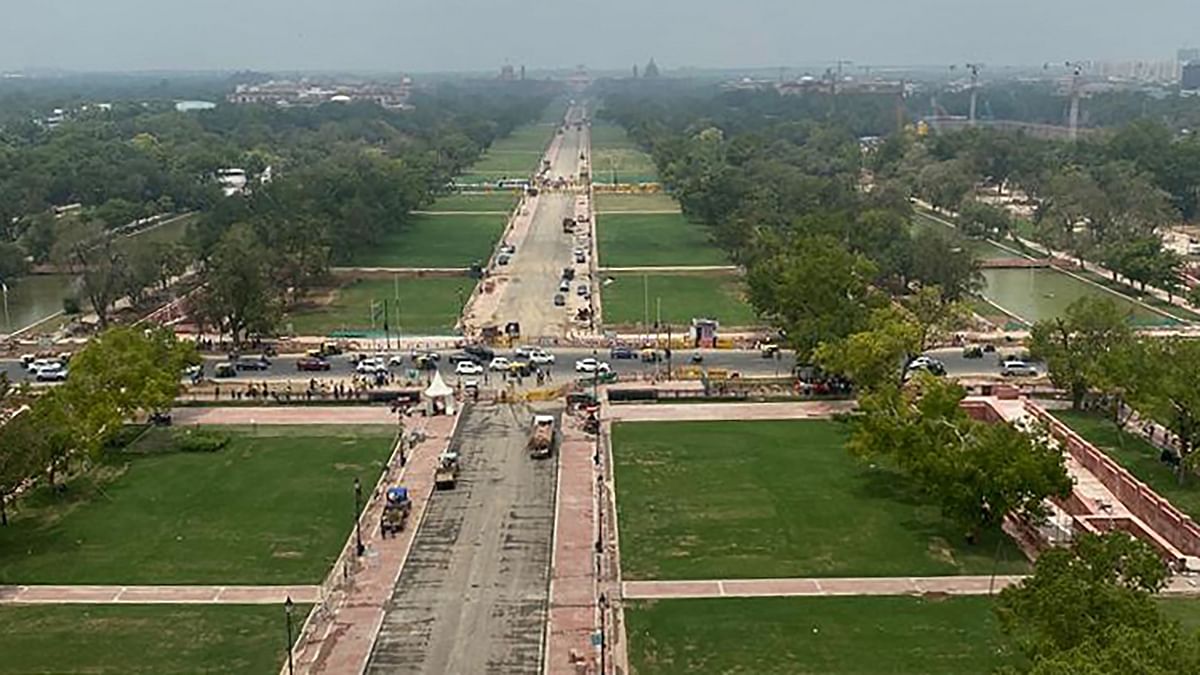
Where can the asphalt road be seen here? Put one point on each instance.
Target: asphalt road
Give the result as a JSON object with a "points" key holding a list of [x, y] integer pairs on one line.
{"points": [[745, 362], [472, 596], [536, 268]]}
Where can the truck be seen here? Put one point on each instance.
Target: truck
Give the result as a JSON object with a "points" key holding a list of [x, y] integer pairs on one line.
{"points": [[541, 437], [568, 224], [445, 476]]}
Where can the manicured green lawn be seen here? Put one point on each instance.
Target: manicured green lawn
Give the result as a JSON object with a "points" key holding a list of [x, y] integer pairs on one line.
{"points": [[683, 297], [649, 239], [711, 500], [428, 306], [614, 154], [151, 639], [472, 201], [609, 202], [1138, 456], [272, 507], [850, 635], [508, 163], [436, 241]]}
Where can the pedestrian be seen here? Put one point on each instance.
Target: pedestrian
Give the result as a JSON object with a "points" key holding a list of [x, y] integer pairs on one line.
{"points": [[216, 392]]}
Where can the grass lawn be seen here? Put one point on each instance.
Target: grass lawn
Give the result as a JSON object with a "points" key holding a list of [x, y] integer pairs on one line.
{"points": [[711, 500], [150, 639], [642, 240], [272, 507], [475, 201], [428, 306], [613, 152], [436, 241], [816, 635], [507, 163], [683, 297], [649, 201], [1136, 455]]}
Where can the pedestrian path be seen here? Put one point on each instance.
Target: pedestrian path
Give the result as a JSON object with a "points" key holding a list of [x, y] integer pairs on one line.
{"points": [[338, 638], [674, 269], [143, 595], [698, 412], [573, 617], [285, 415], [841, 586]]}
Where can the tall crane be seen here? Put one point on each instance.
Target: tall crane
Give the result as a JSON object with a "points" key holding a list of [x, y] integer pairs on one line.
{"points": [[974, 68]]}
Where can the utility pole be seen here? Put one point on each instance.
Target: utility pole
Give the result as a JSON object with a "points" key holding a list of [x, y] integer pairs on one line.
{"points": [[974, 70]]}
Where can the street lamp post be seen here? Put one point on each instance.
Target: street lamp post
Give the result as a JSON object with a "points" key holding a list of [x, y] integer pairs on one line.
{"points": [[288, 607], [357, 507]]}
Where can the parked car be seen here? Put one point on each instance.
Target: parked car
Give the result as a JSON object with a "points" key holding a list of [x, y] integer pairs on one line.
{"points": [[560, 300], [482, 353], [541, 357], [583, 291], [499, 363], [580, 257], [503, 259], [468, 368], [223, 370], [564, 286], [310, 363], [509, 249], [621, 352], [568, 273], [591, 365], [1017, 368], [524, 351]]}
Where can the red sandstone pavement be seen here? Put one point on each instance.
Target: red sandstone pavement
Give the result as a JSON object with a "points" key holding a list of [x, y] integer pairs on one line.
{"points": [[290, 415], [184, 595], [340, 640], [734, 588], [698, 412], [573, 614]]}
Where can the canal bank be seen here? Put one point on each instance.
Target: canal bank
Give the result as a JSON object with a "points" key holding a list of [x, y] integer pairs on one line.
{"points": [[1032, 294]]}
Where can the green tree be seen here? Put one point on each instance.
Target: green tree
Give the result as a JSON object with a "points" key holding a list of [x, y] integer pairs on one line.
{"points": [[1081, 597], [1164, 389], [1080, 346], [876, 356], [238, 294], [977, 219], [98, 259]]}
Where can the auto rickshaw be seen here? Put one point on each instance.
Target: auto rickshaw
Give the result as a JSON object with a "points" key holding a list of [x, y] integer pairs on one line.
{"points": [[396, 507]]}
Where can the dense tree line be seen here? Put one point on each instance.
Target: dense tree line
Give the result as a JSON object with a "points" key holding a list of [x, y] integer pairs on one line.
{"points": [[782, 193]]}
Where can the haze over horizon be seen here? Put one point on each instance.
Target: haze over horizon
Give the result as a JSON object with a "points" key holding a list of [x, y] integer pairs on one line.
{"points": [[449, 35]]}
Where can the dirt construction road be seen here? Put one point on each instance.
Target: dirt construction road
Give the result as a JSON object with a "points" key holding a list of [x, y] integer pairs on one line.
{"points": [[472, 596], [535, 270]]}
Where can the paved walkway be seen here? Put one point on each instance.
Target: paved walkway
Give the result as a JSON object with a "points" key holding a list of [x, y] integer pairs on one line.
{"points": [[175, 595], [290, 415], [823, 587], [573, 614], [339, 638], [673, 269], [698, 412]]}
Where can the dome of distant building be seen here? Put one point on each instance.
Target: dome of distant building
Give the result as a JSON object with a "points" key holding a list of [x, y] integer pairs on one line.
{"points": [[340, 98]]}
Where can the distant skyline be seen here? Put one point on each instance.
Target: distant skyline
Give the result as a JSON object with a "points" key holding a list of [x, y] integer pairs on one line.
{"points": [[460, 35]]}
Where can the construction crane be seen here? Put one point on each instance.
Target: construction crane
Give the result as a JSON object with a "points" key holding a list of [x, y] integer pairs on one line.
{"points": [[974, 70]]}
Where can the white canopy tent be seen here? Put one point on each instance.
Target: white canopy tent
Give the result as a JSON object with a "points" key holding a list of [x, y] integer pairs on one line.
{"points": [[438, 397]]}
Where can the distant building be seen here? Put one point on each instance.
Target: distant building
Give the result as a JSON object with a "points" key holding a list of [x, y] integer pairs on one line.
{"points": [[1189, 80], [1187, 55], [651, 69], [507, 73], [304, 93]]}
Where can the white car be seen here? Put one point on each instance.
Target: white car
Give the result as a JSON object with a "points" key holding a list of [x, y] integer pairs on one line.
{"points": [[499, 363], [1017, 368], [468, 368], [590, 365], [370, 366], [396, 360], [52, 372], [524, 351], [541, 357]]}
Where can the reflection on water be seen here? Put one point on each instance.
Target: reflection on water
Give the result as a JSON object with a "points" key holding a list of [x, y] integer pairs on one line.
{"points": [[1043, 293], [33, 298]]}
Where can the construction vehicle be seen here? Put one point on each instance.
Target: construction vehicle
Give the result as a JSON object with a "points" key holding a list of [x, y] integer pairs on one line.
{"points": [[541, 437], [445, 477], [396, 507]]}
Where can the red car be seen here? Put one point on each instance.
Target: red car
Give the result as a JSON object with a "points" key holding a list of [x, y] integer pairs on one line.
{"points": [[312, 363]]}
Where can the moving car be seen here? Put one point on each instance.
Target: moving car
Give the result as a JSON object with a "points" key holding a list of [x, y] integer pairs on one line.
{"points": [[310, 363], [621, 353], [928, 364], [541, 357], [499, 363], [223, 370], [459, 357], [591, 365], [52, 372], [1017, 368], [468, 368], [370, 366], [252, 363], [481, 353], [972, 352]]}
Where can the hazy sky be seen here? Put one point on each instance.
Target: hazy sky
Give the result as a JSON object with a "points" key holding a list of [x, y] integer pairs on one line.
{"points": [[423, 35]]}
